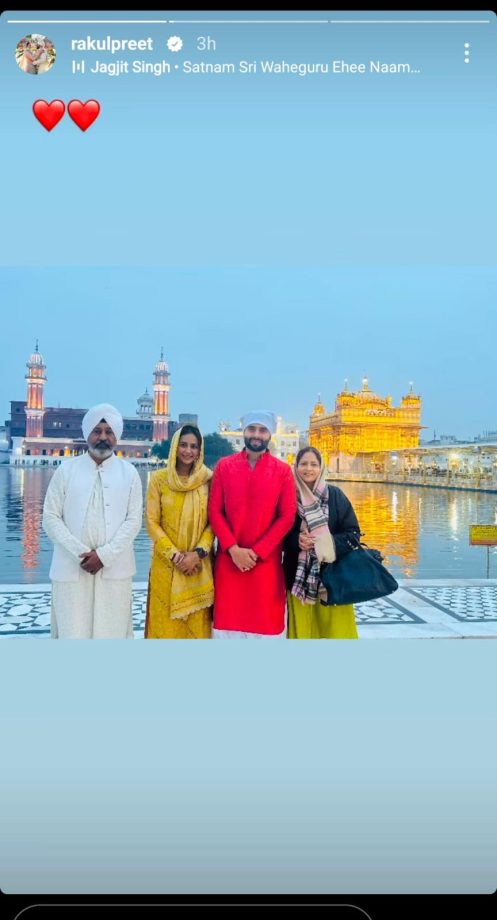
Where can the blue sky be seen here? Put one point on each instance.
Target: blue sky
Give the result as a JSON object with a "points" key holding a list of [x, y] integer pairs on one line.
{"points": [[241, 338], [276, 235]]}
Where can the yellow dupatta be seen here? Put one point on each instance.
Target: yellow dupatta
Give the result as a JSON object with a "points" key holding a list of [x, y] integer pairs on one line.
{"points": [[190, 592]]}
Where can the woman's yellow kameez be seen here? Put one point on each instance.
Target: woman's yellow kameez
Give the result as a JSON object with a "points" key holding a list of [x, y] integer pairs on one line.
{"points": [[178, 605]]}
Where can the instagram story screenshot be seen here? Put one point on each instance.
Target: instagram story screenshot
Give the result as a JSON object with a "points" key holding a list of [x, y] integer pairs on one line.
{"points": [[248, 280]]}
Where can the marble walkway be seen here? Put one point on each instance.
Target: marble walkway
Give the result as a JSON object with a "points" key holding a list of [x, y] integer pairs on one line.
{"points": [[420, 609]]}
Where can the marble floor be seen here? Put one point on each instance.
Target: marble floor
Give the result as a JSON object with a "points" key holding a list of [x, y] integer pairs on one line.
{"points": [[420, 609]]}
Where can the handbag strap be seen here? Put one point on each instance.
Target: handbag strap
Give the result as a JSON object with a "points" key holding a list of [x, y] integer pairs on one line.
{"points": [[376, 552]]}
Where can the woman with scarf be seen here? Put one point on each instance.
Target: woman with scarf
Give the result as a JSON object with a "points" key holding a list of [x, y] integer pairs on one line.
{"points": [[325, 529], [181, 589]]}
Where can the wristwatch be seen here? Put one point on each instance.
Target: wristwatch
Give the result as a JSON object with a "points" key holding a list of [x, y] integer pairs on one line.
{"points": [[201, 552]]}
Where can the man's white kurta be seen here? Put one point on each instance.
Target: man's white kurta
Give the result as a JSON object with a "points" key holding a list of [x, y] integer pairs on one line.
{"points": [[93, 606]]}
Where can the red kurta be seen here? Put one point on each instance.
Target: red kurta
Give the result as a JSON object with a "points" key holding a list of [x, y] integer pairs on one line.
{"points": [[253, 508]]}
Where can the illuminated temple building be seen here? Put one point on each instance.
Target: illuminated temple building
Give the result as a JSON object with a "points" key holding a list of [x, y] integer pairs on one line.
{"points": [[357, 436]]}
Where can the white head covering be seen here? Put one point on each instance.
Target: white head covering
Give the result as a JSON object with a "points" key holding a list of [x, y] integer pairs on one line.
{"points": [[102, 411], [260, 417]]}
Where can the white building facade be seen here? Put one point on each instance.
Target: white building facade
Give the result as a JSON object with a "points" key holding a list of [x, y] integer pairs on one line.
{"points": [[285, 442]]}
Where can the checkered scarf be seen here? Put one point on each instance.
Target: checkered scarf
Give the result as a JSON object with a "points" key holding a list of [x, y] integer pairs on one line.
{"points": [[312, 507]]}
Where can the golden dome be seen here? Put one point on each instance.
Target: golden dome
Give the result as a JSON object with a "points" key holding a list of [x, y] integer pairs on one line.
{"points": [[318, 409], [367, 395], [411, 396]]}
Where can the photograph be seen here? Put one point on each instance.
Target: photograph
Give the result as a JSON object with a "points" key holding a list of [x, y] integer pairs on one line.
{"points": [[248, 281], [35, 54], [381, 516]]}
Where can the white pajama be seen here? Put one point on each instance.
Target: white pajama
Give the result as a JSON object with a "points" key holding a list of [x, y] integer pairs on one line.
{"points": [[92, 607], [232, 634]]}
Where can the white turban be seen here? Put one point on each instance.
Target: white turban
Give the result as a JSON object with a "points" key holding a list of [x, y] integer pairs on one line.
{"points": [[260, 417], [102, 411]]}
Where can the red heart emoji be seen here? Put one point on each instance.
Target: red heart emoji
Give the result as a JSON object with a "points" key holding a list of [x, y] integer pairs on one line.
{"points": [[83, 114], [48, 113]]}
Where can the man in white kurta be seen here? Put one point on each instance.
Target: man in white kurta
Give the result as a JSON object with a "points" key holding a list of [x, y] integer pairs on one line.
{"points": [[92, 513]]}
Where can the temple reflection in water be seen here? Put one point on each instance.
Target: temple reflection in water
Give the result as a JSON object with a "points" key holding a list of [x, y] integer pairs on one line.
{"points": [[33, 493], [390, 521], [422, 532]]}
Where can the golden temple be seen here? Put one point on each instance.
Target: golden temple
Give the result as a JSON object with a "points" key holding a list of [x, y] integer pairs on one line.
{"points": [[363, 423]]}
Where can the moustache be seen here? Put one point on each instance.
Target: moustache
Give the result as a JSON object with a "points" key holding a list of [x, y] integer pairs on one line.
{"points": [[256, 444]]}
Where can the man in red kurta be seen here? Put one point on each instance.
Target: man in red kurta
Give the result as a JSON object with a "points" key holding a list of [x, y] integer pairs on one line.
{"points": [[252, 507]]}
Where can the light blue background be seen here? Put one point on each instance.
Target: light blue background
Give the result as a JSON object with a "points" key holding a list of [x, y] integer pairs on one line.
{"points": [[211, 171], [360, 767], [239, 767], [221, 215]]}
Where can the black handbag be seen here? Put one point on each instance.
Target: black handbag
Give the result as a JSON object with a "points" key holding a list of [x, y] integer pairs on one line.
{"points": [[357, 577]]}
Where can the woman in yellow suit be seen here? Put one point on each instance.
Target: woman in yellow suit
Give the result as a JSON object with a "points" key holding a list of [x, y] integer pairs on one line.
{"points": [[181, 589]]}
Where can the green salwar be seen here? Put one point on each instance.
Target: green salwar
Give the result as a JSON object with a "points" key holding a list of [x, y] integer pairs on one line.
{"points": [[313, 621]]}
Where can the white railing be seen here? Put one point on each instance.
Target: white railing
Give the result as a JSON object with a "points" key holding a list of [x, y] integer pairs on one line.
{"points": [[483, 480]]}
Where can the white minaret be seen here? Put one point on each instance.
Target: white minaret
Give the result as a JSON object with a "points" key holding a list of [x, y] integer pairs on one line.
{"points": [[35, 406], [161, 417]]}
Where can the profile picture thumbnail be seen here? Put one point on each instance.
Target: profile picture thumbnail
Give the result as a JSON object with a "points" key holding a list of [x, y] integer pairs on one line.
{"points": [[35, 53]]}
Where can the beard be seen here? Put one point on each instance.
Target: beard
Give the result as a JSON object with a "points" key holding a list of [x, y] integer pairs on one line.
{"points": [[257, 448], [102, 450]]}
